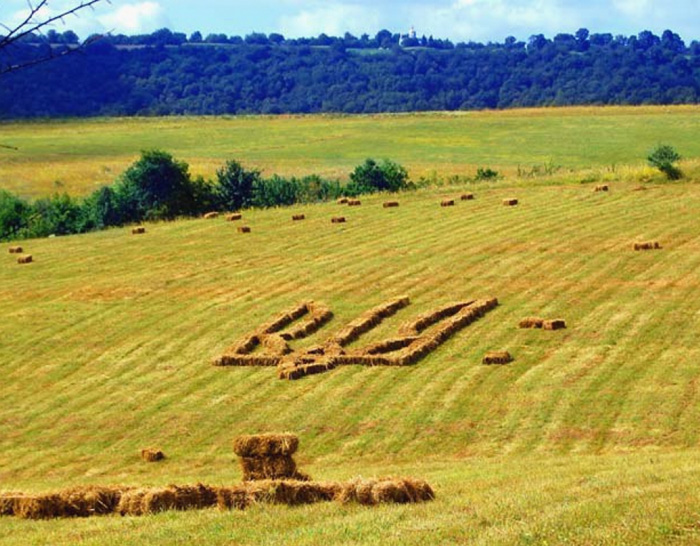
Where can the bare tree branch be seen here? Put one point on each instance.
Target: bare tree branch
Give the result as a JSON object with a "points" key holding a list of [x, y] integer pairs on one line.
{"points": [[35, 23]]}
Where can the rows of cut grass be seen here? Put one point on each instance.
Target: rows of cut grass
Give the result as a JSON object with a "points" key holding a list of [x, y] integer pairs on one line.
{"points": [[79, 156]]}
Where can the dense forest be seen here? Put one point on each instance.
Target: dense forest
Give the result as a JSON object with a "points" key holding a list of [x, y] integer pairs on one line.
{"points": [[169, 73]]}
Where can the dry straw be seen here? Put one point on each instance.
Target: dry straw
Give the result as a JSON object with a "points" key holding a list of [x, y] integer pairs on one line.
{"points": [[602, 187], [243, 229], [354, 202], [390, 204], [234, 217], [497, 357], [555, 324], [467, 196], [26, 259], [447, 203], [297, 217], [151, 455], [342, 201], [138, 230], [211, 215], [266, 445], [510, 202], [16, 250], [386, 490], [338, 220]]}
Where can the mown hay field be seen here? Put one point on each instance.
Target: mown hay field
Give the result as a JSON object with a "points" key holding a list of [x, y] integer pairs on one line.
{"points": [[78, 156], [590, 436]]}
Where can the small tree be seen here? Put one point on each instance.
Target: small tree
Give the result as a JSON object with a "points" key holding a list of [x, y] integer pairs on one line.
{"points": [[235, 185], [372, 177], [664, 157], [14, 215]]}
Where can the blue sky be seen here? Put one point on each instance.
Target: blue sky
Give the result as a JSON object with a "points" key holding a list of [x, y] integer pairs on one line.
{"points": [[459, 20]]}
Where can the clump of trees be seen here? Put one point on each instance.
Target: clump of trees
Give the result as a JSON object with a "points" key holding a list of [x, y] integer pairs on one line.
{"points": [[159, 187]]}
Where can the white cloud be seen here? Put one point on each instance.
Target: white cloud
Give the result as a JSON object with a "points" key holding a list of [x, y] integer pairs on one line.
{"points": [[135, 18], [633, 8], [333, 19]]}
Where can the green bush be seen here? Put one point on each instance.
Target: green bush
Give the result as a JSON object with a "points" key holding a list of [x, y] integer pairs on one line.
{"points": [[372, 177], [235, 186], [486, 174], [664, 157]]}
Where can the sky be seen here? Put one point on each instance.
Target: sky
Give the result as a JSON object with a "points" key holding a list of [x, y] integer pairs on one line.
{"points": [[458, 20]]}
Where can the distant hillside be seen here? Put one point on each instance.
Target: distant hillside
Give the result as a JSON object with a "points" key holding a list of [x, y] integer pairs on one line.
{"points": [[167, 73]]}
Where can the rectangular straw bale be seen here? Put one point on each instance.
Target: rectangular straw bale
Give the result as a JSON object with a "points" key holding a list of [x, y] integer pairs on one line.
{"points": [[89, 501], [510, 202], [386, 490], [390, 345], [497, 357], [426, 320], [276, 345], [297, 371], [8, 502], [266, 445], [601, 187], [138, 230], [292, 492], [151, 455], [531, 322], [237, 497], [234, 217], [26, 259], [131, 502], [338, 220], [390, 204], [447, 203], [243, 229], [211, 215], [297, 217], [467, 196], [354, 202], [268, 468], [16, 250], [47, 506], [320, 315], [369, 320], [651, 245], [342, 201], [555, 324], [284, 319]]}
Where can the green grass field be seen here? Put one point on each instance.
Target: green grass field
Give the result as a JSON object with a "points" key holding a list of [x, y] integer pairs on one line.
{"points": [[589, 437], [81, 155]]}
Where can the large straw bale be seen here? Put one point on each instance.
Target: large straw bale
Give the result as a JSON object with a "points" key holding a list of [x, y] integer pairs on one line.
{"points": [[266, 445], [16, 250], [247, 360], [651, 245], [354, 202], [243, 229], [601, 187], [140, 230], [338, 220], [26, 259], [447, 203], [47, 506], [467, 197], [319, 316], [342, 201], [297, 217], [390, 204], [275, 344], [510, 202], [283, 320], [211, 215], [234, 217], [369, 320], [275, 467]]}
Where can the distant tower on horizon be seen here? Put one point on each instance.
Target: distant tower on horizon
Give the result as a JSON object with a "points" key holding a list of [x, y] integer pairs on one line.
{"points": [[412, 33]]}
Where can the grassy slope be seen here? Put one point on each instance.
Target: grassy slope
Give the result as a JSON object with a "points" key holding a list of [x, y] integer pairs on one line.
{"points": [[590, 436], [86, 154]]}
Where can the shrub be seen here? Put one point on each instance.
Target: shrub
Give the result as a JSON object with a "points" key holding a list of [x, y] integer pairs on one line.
{"points": [[486, 174], [235, 186], [663, 158], [14, 215], [371, 177]]}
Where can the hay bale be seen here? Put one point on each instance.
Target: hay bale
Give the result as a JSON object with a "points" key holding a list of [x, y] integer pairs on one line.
{"points": [[601, 187], [16, 250], [243, 229], [138, 502], [531, 322], [555, 324], [338, 220], [386, 490], [234, 217], [298, 217], [266, 445], [447, 203], [368, 321], [238, 497], [8, 503], [48, 506], [276, 345], [138, 230], [247, 360], [26, 259], [651, 245], [390, 204], [152, 455], [342, 201], [510, 202], [354, 202], [292, 492], [467, 197], [320, 315], [211, 215], [497, 357]]}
